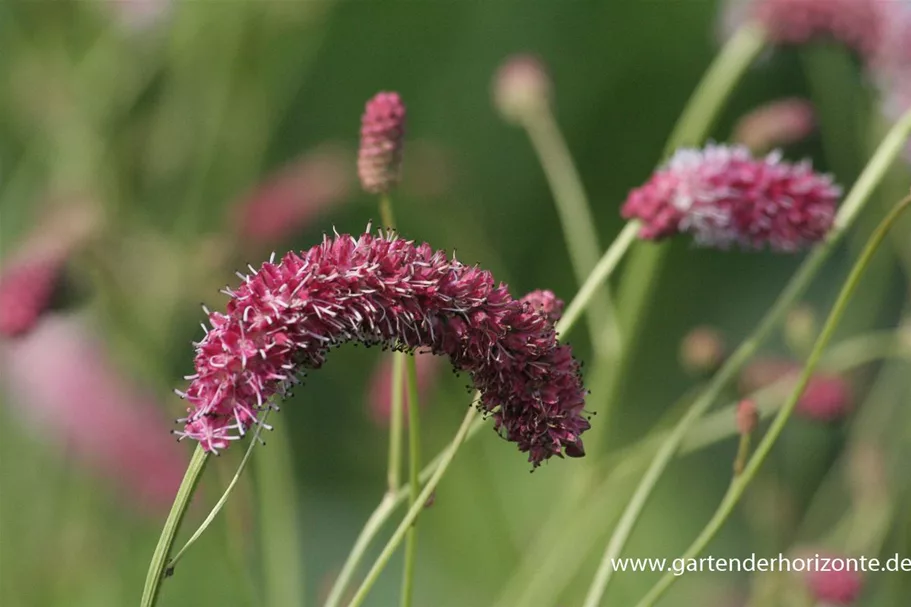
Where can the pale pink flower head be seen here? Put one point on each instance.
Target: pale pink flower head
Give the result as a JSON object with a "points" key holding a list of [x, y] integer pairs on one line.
{"points": [[857, 24], [293, 197], [838, 584], [723, 196], [702, 350], [284, 318], [827, 397], [892, 66], [66, 389], [521, 86], [775, 124], [379, 159]]}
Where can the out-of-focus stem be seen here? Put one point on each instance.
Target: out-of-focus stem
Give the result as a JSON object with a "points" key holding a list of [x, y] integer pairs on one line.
{"points": [[414, 468], [577, 222], [860, 193], [740, 483], [394, 469]]}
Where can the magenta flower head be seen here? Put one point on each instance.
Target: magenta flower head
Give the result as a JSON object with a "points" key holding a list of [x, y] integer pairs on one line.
{"points": [[546, 303], [723, 196], [858, 24], [381, 290], [776, 124], [382, 136]]}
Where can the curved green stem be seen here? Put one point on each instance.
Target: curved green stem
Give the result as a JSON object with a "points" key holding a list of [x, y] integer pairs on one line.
{"points": [[224, 497], [860, 193], [414, 510], [577, 222], [172, 524], [414, 487], [740, 483]]}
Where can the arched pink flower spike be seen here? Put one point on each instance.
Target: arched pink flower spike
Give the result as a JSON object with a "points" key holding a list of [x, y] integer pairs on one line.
{"points": [[381, 290]]}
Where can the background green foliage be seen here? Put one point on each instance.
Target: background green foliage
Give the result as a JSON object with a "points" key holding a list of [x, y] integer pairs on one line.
{"points": [[169, 124]]}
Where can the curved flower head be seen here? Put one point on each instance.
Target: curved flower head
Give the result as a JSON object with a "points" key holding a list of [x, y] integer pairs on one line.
{"points": [[858, 24], [382, 136], [723, 196], [284, 317]]}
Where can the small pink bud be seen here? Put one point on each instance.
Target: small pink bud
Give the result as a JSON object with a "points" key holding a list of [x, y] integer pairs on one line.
{"points": [[747, 417], [382, 137], [702, 351], [521, 86], [775, 124]]}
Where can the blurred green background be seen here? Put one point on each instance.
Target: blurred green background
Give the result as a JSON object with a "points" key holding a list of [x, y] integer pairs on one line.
{"points": [[164, 117]]}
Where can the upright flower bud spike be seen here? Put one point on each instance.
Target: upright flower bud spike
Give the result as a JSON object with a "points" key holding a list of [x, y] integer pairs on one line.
{"points": [[723, 197], [521, 87], [384, 290], [382, 136], [775, 124]]}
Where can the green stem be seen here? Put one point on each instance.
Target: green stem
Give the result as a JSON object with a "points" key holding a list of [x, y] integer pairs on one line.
{"points": [[413, 511], [414, 467], [860, 193], [172, 524], [740, 483], [577, 222], [394, 471], [559, 551], [386, 214], [224, 498]]}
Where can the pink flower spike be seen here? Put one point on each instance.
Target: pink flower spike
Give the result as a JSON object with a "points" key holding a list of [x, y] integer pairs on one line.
{"points": [[71, 396], [775, 124], [381, 290], [858, 24], [379, 390], [723, 196], [382, 136]]}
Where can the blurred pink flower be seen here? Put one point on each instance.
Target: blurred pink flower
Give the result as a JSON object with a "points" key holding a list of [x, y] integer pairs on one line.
{"points": [[827, 397], [140, 14], [294, 196], [779, 123], [379, 158], [379, 390], [858, 24], [723, 196], [29, 279], [521, 86], [831, 587], [66, 389]]}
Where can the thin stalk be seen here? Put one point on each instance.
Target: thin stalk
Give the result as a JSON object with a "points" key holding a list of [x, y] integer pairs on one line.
{"points": [[742, 481], [394, 470], [414, 468], [413, 511], [224, 498], [859, 195], [576, 220], [172, 524]]}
